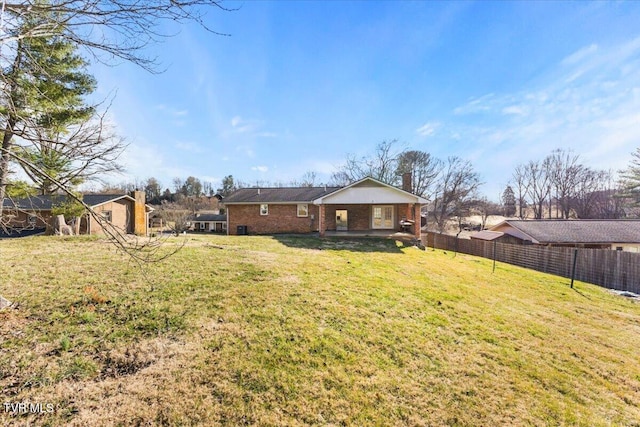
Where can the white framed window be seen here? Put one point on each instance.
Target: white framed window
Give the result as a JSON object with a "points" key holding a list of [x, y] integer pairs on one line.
{"points": [[303, 210], [106, 215], [32, 219], [264, 209]]}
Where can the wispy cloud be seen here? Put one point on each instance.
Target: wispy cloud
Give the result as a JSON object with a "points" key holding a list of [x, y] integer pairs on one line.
{"points": [[476, 105], [172, 111], [590, 102], [188, 146], [251, 127], [260, 168], [428, 129]]}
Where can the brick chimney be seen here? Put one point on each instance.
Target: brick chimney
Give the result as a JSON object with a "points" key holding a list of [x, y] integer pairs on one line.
{"points": [[139, 213], [406, 182]]}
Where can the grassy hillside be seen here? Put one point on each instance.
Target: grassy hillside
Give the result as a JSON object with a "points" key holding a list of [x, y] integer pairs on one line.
{"points": [[297, 331]]}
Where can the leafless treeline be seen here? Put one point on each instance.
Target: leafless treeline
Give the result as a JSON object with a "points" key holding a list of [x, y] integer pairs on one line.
{"points": [[561, 186]]}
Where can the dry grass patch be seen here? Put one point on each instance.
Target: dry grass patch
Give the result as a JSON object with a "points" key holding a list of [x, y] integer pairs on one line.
{"points": [[304, 331]]}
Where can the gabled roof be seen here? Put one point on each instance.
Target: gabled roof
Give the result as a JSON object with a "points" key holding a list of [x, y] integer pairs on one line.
{"points": [[315, 195], [45, 203], [487, 235], [209, 217], [277, 195], [362, 185], [574, 231]]}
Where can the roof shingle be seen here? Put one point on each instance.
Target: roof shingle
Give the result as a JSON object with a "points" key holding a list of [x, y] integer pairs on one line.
{"points": [[45, 203], [579, 231], [278, 195]]}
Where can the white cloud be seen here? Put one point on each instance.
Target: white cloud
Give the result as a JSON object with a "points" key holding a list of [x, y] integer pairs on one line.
{"points": [[580, 55], [188, 146], [260, 168], [428, 129], [172, 111], [251, 127], [518, 110], [241, 125]]}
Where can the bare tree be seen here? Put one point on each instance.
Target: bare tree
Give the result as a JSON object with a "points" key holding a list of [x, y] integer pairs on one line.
{"points": [[309, 179], [538, 177], [176, 217], [521, 183], [424, 170], [118, 28], [455, 189], [382, 165], [565, 172], [485, 209]]}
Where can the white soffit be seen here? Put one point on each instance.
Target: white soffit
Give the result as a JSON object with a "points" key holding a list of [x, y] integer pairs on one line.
{"points": [[368, 195]]}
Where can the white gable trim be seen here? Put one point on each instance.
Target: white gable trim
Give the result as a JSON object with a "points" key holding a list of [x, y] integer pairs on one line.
{"points": [[507, 228], [380, 193]]}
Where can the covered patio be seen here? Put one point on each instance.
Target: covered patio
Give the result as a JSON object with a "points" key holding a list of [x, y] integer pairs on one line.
{"points": [[370, 208]]}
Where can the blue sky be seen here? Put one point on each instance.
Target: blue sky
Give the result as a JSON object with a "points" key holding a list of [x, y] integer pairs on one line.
{"points": [[299, 84]]}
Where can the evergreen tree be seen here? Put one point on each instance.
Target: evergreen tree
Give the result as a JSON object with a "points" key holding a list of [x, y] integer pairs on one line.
{"points": [[509, 201], [42, 95], [631, 178]]}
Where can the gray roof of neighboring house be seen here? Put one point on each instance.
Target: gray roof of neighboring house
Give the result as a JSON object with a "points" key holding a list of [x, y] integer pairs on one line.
{"points": [[209, 217], [45, 203], [577, 231], [487, 235], [278, 195]]}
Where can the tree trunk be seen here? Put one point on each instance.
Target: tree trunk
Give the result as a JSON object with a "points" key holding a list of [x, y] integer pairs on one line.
{"points": [[4, 161]]}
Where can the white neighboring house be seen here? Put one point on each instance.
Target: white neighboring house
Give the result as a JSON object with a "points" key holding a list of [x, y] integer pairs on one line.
{"points": [[214, 223]]}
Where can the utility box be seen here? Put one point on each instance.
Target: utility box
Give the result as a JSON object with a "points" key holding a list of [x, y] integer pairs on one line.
{"points": [[242, 230]]}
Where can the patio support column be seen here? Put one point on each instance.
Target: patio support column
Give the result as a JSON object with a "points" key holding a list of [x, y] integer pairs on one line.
{"points": [[321, 227], [417, 216]]}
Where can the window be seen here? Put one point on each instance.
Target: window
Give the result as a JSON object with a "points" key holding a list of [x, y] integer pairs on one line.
{"points": [[32, 220], [264, 209], [106, 215], [303, 210]]}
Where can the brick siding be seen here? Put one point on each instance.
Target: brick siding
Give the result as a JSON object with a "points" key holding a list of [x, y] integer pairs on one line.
{"points": [[282, 218]]}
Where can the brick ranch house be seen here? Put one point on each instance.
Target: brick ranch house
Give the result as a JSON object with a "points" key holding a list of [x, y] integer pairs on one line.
{"points": [[363, 206], [615, 234], [128, 213]]}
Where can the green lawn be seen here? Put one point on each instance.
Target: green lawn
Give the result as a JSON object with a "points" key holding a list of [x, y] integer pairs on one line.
{"points": [[297, 331]]}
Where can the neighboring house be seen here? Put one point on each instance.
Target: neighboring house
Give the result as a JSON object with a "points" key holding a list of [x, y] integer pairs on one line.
{"points": [[366, 205], [128, 213], [621, 234], [215, 223]]}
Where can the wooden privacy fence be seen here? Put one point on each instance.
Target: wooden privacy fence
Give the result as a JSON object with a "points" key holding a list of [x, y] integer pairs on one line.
{"points": [[610, 269]]}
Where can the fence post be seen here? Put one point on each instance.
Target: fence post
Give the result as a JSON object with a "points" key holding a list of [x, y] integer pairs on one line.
{"points": [[456, 247], [573, 271], [494, 255]]}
